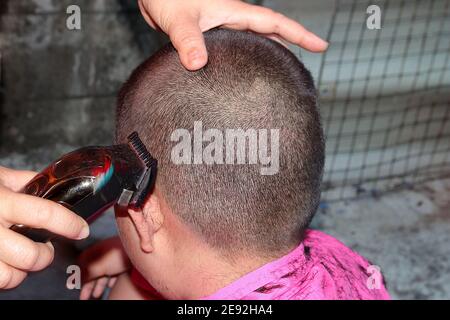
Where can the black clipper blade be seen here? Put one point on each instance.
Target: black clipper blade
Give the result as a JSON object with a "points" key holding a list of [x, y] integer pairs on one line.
{"points": [[147, 181]]}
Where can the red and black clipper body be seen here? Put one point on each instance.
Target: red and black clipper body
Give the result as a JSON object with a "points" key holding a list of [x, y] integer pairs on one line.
{"points": [[90, 180]]}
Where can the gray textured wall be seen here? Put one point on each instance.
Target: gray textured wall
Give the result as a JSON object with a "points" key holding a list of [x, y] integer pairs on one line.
{"points": [[58, 86]]}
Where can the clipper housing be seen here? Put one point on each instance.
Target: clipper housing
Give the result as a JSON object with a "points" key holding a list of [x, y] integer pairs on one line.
{"points": [[90, 180]]}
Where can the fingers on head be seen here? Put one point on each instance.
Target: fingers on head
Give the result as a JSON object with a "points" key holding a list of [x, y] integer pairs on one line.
{"points": [[187, 38], [266, 21]]}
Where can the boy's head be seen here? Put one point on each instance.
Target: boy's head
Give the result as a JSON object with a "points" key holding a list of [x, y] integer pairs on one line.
{"points": [[260, 205]]}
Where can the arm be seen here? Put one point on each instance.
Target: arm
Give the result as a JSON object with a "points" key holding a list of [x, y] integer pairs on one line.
{"points": [[102, 265]]}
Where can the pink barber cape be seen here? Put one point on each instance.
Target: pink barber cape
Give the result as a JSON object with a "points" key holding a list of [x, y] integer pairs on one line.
{"points": [[321, 267]]}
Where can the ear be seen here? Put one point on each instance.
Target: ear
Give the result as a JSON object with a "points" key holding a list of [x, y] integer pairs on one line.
{"points": [[147, 221]]}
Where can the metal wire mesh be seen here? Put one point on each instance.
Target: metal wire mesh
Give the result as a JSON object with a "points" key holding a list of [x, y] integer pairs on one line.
{"points": [[385, 97]]}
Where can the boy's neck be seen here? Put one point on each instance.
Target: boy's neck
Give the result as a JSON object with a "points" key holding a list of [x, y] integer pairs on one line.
{"points": [[210, 272], [194, 269]]}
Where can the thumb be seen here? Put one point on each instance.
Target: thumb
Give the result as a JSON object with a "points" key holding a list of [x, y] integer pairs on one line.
{"points": [[187, 38], [15, 179]]}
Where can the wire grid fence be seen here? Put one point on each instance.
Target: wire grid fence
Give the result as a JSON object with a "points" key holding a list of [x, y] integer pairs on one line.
{"points": [[385, 97]]}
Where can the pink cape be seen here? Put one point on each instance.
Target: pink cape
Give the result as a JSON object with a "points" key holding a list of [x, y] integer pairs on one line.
{"points": [[321, 267]]}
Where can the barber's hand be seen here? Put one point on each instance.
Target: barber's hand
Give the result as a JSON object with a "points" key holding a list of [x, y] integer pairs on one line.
{"points": [[18, 254], [100, 266], [185, 20]]}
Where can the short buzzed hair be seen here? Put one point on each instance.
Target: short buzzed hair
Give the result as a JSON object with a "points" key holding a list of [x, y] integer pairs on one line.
{"points": [[249, 82]]}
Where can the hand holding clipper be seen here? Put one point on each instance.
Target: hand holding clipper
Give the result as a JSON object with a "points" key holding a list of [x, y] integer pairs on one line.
{"points": [[90, 180]]}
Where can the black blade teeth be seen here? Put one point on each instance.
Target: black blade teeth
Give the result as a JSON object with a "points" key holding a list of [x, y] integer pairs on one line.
{"points": [[139, 148]]}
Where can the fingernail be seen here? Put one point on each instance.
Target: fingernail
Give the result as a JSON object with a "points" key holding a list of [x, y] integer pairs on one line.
{"points": [[195, 58], [323, 43], [193, 55], [84, 233]]}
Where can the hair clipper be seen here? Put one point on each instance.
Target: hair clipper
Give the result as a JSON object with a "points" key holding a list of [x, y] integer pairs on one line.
{"points": [[90, 180]]}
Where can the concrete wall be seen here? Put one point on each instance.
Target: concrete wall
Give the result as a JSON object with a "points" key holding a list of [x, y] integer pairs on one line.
{"points": [[59, 86]]}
